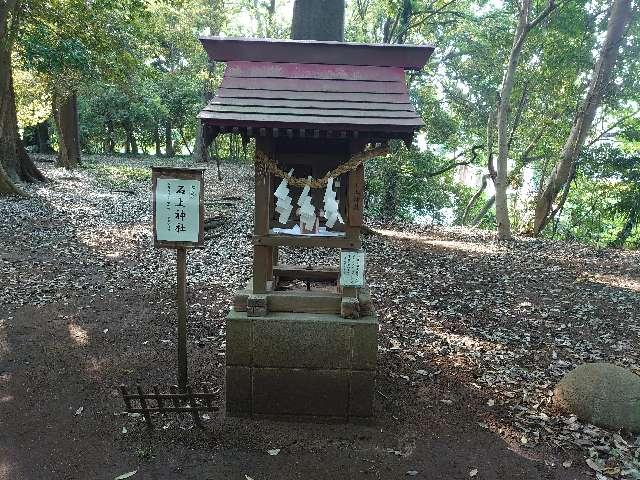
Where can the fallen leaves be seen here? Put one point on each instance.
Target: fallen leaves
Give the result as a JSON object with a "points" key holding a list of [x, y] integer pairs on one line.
{"points": [[505, 320]]}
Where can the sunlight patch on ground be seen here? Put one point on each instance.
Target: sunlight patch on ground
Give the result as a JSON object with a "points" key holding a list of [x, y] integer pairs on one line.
{"points": [[78, 334], [6, 470], [465, 341], [468, 247], [114, 241], [467, 351], [94, 366], [4, 342], [616, 281], [4, 398]]}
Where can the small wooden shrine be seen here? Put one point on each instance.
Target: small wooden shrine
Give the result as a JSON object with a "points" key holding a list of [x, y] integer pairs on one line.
{"points": [[301, 340]]}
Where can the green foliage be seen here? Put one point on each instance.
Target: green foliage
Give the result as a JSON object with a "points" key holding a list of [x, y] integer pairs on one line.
{"points": [[33, 102], [117, 177], [139, 69], [605, 196], [400, 185], [72, 40]]}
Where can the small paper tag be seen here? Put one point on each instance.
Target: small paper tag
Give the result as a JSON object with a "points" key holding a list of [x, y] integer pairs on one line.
{"points": [[352, 268]]}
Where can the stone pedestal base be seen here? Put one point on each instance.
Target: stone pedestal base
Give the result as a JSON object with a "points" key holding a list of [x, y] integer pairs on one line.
{"points": [[301, 366]]}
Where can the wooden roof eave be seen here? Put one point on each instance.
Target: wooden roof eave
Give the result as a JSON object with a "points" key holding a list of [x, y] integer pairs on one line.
{"points": [[409, 57], [374, 134]]}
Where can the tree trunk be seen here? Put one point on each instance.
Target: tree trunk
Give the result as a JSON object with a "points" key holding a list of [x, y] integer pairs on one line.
{"points": [[619, 17], [627, 229], [216, 155], [156, 140], [485, 209], [168, 139], [134, 144], [110, 144], [474, 199], [184, 140], [43, 138], [15, 164], [318, 20], [200, 150], [131, 143], [503, 223], [500, 177], [67, 121]]}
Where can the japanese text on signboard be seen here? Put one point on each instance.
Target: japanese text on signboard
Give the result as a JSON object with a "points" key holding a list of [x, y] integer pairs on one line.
{"points": [[177, 210], [352, 268]]}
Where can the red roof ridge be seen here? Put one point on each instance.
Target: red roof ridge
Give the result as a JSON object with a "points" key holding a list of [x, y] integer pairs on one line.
{"points": [[409, 57]]}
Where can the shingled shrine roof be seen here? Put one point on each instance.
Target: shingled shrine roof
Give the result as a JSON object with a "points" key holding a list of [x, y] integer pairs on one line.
{"points": [[308, 87]]}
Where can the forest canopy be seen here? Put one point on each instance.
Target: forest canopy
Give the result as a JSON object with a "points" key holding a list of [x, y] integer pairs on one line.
{"points": [[531, 107]]}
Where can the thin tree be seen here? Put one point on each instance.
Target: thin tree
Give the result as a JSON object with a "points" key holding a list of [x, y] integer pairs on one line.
{"points": [[499, 172], [620, 16]]}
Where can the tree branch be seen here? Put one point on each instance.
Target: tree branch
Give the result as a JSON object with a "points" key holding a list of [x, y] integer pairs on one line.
{"points": [[607, 130], [454, 164], [431, 13], [491, 123], [551, 6], [487, 206], [474, 199], [516, 121]]}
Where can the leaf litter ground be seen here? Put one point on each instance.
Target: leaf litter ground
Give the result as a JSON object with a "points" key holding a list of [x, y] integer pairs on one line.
{"points": [[474, 336]]}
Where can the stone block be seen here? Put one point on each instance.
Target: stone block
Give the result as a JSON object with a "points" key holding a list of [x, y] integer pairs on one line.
{"points": [[362, 392], [301, 366], [238, 390], [350, 307], [257, 305], [238, 340], [364, 344], [301, 392], [304, 302], [240, 301], [364, 297], [301, 341]]}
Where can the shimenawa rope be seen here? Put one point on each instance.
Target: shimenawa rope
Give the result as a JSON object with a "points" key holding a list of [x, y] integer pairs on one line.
{"points": [[351, 164]]}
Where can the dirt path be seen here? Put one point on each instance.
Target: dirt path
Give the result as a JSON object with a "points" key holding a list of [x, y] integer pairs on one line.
{"points": [[466, 362]]}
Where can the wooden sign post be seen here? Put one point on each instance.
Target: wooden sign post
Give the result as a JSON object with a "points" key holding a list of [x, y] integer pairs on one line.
{"points": [[178, 222]]}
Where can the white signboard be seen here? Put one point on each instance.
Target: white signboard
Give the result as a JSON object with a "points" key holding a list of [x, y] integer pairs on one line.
{"points": [[352, 268], [177, 210]]}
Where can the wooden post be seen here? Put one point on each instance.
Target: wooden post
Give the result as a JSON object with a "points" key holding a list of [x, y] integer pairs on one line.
{"points": [[181, 300], [178, 197], [355, 197], [261, 254]]}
